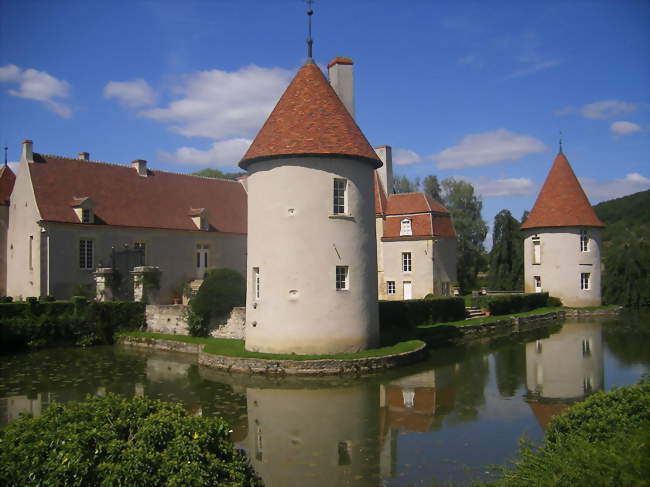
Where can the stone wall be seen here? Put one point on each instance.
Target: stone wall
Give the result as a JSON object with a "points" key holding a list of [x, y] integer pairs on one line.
{"points": [[234, 327], [169, 319]]}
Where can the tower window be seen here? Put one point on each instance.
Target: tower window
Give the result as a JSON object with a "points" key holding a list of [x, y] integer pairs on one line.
{"points": [[406, 228], [584, 241], [390, 287], [85, 254], [257, 281], [584, 281], [537, 251], [340, 193], [406, 262], [342, 278]]}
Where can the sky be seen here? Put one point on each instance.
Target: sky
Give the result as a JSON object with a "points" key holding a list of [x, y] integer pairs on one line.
{"points": [[473, 90]]}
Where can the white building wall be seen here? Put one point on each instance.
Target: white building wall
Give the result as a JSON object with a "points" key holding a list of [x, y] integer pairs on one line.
{"points": [[296, 243], [562, 262]]}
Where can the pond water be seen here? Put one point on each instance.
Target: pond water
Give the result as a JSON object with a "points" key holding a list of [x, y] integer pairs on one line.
{"points": [[446, 419]]}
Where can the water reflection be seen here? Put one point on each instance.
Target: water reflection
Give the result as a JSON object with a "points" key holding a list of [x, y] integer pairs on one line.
{"points": [[445, 419]]}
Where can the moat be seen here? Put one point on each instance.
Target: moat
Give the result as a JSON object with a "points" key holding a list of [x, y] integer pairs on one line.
{"points": [[445, 419]]}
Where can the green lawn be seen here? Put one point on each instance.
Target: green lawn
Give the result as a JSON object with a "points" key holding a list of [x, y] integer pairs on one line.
{"points": [[235, 348]]}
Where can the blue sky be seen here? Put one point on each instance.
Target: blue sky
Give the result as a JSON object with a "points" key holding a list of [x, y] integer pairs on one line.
{"points": [[476, 90]]}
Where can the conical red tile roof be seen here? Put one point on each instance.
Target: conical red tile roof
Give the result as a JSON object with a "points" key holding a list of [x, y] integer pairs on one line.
{"points": [[7, 179], [309, 119], [562, 202]]}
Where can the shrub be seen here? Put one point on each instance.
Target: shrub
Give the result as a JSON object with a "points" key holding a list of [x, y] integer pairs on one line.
{"points": [[7, 299], [517, 303], [114, 441], [414, 312], [221, 291], [554, 302]]}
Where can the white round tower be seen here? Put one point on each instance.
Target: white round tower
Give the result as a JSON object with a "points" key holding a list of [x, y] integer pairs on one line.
{"points": [[562, 240], [312, 259]]}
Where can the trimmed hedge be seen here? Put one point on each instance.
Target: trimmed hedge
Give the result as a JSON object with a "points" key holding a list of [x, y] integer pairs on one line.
{"points": [[414, 312], [517, 303], [112, 441], [79, 322]]}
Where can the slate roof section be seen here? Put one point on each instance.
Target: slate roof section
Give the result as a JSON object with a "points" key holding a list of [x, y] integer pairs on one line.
{"points": [[7, 180], [309, 120], [123, 198], [562, 202]]}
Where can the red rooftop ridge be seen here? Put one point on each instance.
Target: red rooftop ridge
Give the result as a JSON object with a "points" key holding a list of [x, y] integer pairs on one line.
{"points": [[309, 120], [562, 201], [7, 180]]}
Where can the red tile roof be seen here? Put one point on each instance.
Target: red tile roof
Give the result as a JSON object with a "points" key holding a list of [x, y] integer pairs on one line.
{"points": [[7, 180], [309, 119], [562, 201], [123, 198]]}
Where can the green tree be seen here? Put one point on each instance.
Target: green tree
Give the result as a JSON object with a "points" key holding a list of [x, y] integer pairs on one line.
{"points": [[431, 187], [402, 184], [221, 291], [216, 173], [465, 208], [506, 258]]}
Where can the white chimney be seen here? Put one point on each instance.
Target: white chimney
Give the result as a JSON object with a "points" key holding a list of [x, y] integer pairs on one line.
{"points": [[27, 153], [84, 156], [385, 153], [342, 80], [140, 165]]}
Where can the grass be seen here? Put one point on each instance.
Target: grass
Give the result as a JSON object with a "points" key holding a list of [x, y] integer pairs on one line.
{"points": [[235, 348], [492, 319]]}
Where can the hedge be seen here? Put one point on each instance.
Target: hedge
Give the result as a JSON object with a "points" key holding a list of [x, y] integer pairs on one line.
{"points": [[79, 322], [414, 312], [516, 303], [112, 441]]}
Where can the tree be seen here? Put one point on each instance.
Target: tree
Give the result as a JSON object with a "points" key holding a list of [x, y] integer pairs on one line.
{"points": [[506, 258], [465, 208], [216, 173], [402, 184], [431, 187]]}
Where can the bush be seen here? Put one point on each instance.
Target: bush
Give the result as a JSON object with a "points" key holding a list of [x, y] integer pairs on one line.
{"points": [[554, 302], [414, 312], [221, 291], [517, 303], [601, 441], [114, 441]]}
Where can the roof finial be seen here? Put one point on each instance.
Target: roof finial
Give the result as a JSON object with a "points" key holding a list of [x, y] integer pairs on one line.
{"points": [[561, 143], [6, 149], [310, 41]]}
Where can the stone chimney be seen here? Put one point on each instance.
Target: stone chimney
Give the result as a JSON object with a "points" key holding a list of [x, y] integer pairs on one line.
{"points": [[27, 153], [385, 153], [140, 165], [341, 79], [84, 156]]}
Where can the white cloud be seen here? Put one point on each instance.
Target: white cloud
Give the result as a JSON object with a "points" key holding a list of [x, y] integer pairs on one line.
{"points": [[486, 149], [624, 128], [532, 67], [531, 58], [491, 187], [133, 94], [39, 86], [600, 110], [614, 188], [220, 104], [402, 157], [221, 154]]}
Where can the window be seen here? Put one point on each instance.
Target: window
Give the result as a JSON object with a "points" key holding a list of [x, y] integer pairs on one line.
{"points": [[584, 281], [140, 252], [340, 190], [406, 262], [584, 241], [538, 284], [390, 287], [256, 280], [587, 385], [586, 347], [85, 215], [31, 245], [538, 346], [408, 396], [85, 254], [342, 281], [537, 251], [406, 228], [344, 453]]}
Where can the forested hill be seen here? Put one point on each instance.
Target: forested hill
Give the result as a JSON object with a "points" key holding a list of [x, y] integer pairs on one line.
{"points": [[625, 249]]}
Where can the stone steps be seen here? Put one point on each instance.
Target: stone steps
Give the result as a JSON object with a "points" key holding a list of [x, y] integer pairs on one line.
{"points": [[473, 312]]}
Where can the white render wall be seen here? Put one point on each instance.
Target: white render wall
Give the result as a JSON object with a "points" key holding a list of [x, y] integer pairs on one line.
{"points": [[296, 243], [562, 262], [432, 263]]}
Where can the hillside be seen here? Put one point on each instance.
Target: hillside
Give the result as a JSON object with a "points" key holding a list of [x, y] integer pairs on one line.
{"points": [[631, 211]]}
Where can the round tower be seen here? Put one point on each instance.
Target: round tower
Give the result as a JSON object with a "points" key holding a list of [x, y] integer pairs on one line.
{"points": [[562, 240], [312, 258]]}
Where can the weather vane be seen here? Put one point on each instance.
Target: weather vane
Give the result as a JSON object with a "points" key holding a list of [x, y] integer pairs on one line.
{"points": [[6, 149], [561, 142], [310, 41]]}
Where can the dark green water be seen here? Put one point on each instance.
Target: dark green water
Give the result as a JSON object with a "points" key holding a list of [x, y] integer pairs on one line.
{"points": [[446, 419]]}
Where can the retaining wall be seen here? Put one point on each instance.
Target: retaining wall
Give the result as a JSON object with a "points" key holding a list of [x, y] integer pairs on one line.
{"points": [[170, 319]]}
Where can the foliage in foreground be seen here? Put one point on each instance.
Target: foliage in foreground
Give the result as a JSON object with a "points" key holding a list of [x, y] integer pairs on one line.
{"points": [[112, 441], [602, 441]]}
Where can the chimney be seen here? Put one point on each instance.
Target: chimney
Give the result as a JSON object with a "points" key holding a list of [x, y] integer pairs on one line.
{"points": [[140, 165], [341, 79], [84, 156], [27, 153], [385, 153]]}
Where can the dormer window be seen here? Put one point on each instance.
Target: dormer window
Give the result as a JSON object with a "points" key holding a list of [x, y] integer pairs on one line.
{"points": [[406, 228], [84, 208], [200, 218]]}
